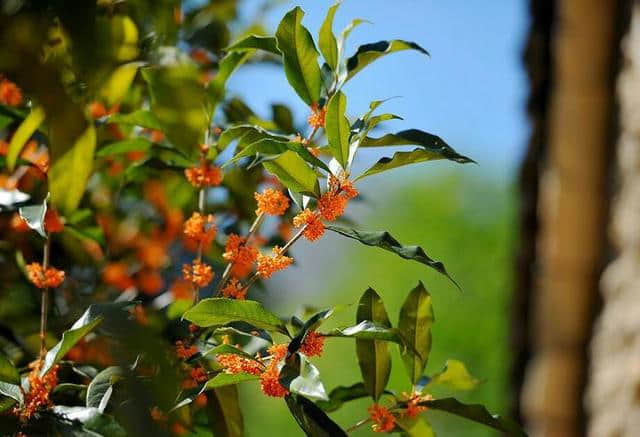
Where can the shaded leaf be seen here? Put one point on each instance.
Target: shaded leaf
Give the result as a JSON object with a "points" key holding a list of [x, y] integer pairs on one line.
{"points": [[283, 118], [300, 56], [34, 216], [313, 421], [416, 319], [266, 43], [368, 53], [221, 311], [327, 40], [455, 375], [8, 372], [225, 414], [476, 413], [384, 240], [124, 146], [342, 394], [101, 387], [373, 355], [310, 325], [294, 173], [337, 128], [26, 129]]}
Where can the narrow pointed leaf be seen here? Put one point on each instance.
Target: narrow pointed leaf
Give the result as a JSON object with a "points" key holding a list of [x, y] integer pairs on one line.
{"points": [[340, 395], [327, 40], [221, 311], [225, 414], [294, 173], [337, 128], [368, 330], [270, 147], [368, 53], [416, 319], [313, 421], [476, 413], [417, 427], [309, 326], [384, 240], [373, 355], [455, 376], [225, 379], [116, 87], [251, 42], [34, 217], [27, 128], [300, 56], [301, 377]]}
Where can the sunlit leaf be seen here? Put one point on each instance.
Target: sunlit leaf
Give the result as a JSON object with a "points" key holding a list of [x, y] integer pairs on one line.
{"points": [[455, 376], [91, 420], [384, 240], [140, 118], [313, 421], [270, 147], [327, 40], [221, 311], [368, 330], [416, 319], [224, 379], [417, 427], [266, 43], [294, 173], [373, 355], [26, 129], [299, 376], [34, 217], [368, 53], [300, 56], [337, 128], [116, 87]]}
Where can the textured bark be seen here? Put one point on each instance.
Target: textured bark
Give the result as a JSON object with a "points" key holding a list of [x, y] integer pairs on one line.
{"points": [[572, 215], [613, 396]]}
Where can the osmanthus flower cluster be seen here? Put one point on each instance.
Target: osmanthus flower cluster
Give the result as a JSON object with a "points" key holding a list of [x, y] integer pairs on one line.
{"points": [[167, 202]]}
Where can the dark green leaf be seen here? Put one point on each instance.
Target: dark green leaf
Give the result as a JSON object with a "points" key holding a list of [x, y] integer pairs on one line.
{"points": [[246, 135], [300, 56], [140, 118], [294, 173], [310, 325], [416, 319], [327, 40], [384, 240], [225, 414], [34, 216], [125, 146], [301, 377], [221, 311], [82, 233], [269, 147], [266, 43], [476, 413], [283, 118], [368, 53], [93, 422], [455, 376], [340, 395], [8, 372], [224, 379], [373, 355], [337, 128], [313, 421], [101, 387]]}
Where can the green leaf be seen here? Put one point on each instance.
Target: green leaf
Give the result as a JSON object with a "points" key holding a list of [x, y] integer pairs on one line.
{"points": [[476, 413], [224, 379], [368, 53], [417, 427], [101, 387], [177, 102], [224, 412], [327, 40], [93, 422], [455, 376], [246, 135], [337, 128], [8, 372], [347, 31], [300, 56], [373, 355], [283, 118], [313, 421], [69, 173], [26, 129], [140, 118], [116, 87], [266, 43], [384, 240], [416, 319], [368, 330], [221, 311], [92, 317], [340, 395], [301, 377], [230, 63], [228, 349], [294, 173], [34, 216], [124, 146], [11, 390], [309, 326], [269, 147]]}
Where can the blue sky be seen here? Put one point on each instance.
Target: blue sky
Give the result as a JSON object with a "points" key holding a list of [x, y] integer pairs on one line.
{"points": [[472, 91]]}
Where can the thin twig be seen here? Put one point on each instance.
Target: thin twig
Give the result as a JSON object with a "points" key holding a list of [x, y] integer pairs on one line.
{"points": [[44, 306], [358, 424]]}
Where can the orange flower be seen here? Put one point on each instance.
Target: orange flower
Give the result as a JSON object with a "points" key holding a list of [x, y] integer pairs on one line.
{"points": [[51, 278], [198, 273], [313, 344], [201, 228], [270, 383], [178, 429], [156, 136], [239, 255], [332, 205], [383, 420], [97, 110], [157, 415], [18, 224], [197, 376], [316, 119], [413, 409], [271, 202], [150, 281], [10, 94], [39, 389], [200, 55], [234, 364], [185, 352], [205, 175], [152, 252], [52, 221], [315, 227], [181, 289], [140, 314], [201, 400], [268, 265], [117, 275], [234, 289]]}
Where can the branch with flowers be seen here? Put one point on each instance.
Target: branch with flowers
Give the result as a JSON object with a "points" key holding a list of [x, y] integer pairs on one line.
{"points": [[157, 188]]}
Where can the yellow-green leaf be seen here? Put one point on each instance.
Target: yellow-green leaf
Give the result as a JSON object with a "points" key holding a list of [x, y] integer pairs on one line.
{"points": [[116, 87], [27, 128], [337, 128], [327, 40], [368, 53], [294, 173], [455, 376], [416, 319]]}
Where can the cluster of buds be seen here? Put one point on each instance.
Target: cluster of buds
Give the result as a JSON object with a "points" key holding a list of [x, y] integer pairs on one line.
{"points": [[41, 278], [10, 94], [40, 388]]}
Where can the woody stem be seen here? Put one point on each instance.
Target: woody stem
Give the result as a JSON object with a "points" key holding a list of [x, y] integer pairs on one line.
{"points": [[358, 424], [44, 307]]}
